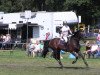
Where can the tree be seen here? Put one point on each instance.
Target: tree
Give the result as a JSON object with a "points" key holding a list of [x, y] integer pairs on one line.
{"points": [[54, 5], [5, 5], [40, 4], [88, 9]]}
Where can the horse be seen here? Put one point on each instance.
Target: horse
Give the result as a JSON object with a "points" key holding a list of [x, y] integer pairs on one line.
{"points": [[73, 46]]}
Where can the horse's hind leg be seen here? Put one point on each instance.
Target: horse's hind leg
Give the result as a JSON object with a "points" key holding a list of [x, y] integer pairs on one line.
{"points": [[76, 57], [44, 52], [56, 55], [81, 55]]}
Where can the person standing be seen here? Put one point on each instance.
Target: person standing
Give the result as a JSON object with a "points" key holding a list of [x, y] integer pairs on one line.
{"points": [[47, 36], [98, 38], [65, 31]]}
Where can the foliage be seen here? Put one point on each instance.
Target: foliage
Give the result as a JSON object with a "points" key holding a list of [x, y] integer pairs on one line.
{"points": [[88, 9]]}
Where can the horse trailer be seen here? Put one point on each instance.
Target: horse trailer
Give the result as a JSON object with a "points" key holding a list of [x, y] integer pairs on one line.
{"points": [[37, 25]]}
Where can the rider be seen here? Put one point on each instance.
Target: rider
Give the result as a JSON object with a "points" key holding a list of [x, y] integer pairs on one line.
{"points": [[65, 31]]}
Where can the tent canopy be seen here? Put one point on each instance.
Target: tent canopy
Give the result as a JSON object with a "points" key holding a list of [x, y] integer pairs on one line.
{"points": [[2, 26]]}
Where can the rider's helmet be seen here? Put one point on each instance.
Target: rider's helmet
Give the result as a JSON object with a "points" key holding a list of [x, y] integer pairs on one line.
{"points": [[65, 22]]}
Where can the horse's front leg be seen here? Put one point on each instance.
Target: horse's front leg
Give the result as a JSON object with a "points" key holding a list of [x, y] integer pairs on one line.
{"points": [[60, 63], [81, 55], [76, 57]]}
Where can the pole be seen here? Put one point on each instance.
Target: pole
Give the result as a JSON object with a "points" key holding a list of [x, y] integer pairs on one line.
{"points": [[88, 28], [8, 30], [27, 31], [27, 16]]}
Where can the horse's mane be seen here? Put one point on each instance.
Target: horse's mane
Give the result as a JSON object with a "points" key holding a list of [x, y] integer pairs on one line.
{"points": [[76, 33]]}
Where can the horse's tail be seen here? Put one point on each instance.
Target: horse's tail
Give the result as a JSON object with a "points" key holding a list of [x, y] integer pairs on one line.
{"points": [[45, 48]]}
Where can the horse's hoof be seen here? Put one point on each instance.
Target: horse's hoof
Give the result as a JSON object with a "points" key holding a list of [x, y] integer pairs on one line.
{"points": [[73, 62], [87, 67], [61, 67]]}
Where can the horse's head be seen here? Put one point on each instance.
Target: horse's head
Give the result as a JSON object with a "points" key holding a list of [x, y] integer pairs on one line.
{"points": [[79, 34]]}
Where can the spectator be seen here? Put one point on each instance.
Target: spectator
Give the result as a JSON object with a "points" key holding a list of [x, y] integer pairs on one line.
{"points": [[1, 38], [48, 36], [94, 49], [88, 47], [8, 38], [6, 41], [98, 38]]}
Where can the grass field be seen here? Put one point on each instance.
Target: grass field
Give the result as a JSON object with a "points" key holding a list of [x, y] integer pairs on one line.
{"points": [[19, 64]]}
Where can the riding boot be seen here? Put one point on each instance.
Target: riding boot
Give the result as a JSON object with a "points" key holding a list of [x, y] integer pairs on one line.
{"points": [[62, 40], [66, 43]]}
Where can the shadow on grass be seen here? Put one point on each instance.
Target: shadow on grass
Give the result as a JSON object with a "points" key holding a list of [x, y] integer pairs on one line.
{"points": [[87, 68]]}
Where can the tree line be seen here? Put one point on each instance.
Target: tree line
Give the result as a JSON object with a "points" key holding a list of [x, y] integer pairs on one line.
{"points": [[88, 9]]}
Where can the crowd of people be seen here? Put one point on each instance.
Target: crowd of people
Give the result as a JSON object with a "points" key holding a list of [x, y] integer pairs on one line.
{"points": [[5, 40], [93, 48], [34, 46]]}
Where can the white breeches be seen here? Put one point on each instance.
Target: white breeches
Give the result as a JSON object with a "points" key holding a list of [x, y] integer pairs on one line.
{"points": [[65, 38]]}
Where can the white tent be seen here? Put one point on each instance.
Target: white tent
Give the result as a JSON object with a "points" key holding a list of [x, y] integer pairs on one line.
{"points": [[70, 17]]}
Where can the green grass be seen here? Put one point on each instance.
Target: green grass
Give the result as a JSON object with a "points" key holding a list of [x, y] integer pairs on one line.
{"points": [[19, 64]]}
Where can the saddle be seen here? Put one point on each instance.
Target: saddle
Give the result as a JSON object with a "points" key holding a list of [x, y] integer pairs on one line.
{"points": [[63, 42]]}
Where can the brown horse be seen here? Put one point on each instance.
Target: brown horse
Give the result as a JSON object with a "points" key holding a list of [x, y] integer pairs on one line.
{"points": [[72, 46]]}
